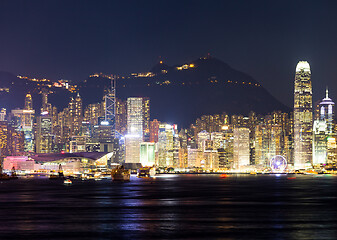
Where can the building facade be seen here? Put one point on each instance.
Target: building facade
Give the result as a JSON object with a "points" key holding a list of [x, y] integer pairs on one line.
{"points": [[303, 116], [241, 150]]}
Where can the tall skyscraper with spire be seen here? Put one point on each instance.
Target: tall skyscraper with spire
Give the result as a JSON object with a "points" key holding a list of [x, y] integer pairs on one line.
{"points": [[327, 111], [302, 116]]}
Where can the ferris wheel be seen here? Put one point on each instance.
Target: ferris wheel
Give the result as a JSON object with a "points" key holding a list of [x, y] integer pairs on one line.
{"points": [[278, 163]]}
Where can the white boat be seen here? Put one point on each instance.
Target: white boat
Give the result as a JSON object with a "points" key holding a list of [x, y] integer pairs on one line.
{"points": [[67, 182]]}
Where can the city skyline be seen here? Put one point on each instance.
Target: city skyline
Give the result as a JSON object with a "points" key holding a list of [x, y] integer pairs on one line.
{"points": [[79, 109], [175, 119], [305, 138]]}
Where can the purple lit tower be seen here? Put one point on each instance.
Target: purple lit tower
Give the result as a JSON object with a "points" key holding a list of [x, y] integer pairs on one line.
{"points": [[327, 111]]}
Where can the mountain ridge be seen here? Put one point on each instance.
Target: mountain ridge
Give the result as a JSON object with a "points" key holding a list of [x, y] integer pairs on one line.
{"points": [[178, 94], [207, 85]]}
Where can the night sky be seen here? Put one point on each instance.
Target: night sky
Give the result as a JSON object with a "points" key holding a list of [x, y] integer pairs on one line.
{"points": [[72, 39]]}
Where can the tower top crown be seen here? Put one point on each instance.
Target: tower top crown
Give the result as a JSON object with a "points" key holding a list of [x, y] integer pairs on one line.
{"points": [[327, 100], [303, 66]]}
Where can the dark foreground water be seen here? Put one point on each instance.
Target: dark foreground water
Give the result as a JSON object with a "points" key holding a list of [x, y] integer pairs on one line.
{"points": [[171, 207]]}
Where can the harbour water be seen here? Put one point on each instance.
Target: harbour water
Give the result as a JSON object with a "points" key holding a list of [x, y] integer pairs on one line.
{"points": [[171, 206]]}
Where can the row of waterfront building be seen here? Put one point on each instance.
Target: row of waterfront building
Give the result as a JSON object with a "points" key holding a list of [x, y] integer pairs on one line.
{"points": [[306, 138]]}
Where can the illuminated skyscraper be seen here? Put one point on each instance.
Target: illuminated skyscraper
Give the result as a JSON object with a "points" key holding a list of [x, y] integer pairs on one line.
{"points": [[132, 148], [332, 151], [217, 139], [25, 124], [182, 148], [63, 127], [146, 120], [135, 129], [147, 154], [11, 141], [92, 112], [102, 133], [44, 137], [46, 107], [135, 116], [192, 157], [327, 111], [75, 113], [110, 108], [28, 102], [77, 144], [302, 116], [268, 143], [226, 160], [241, 147], [262, 140], [77, 118], [154, 129], [3, 138], [121, 116], [168, 154], [44, 99], [324, 140], [319, 142], [203, 137], [3, 114]]}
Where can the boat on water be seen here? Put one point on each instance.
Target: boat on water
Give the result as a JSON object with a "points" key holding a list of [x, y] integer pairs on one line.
{"points": [[146, 172], [120, 174], [58, 176], [310, 172], [13, 174], [5, 176], [67, 182]]}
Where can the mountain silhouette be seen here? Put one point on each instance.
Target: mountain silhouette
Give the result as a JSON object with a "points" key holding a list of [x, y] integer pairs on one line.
{"points": [[182, 93]]}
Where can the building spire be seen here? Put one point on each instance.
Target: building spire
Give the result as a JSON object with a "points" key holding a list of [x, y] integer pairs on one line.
{"points": [[326, 92]]}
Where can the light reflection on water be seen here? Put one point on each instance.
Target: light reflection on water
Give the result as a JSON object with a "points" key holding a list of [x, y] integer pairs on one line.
{"points": [[172, 206]]}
